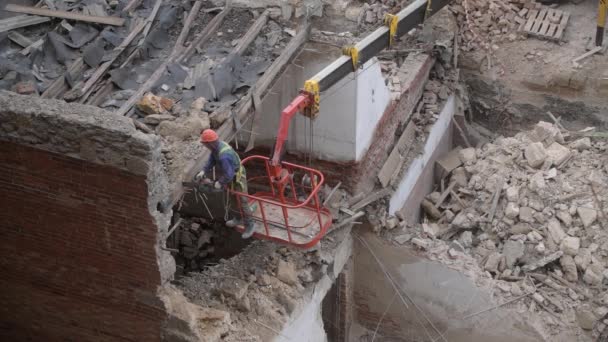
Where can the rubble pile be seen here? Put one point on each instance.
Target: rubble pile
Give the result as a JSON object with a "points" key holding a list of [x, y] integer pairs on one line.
{"points": [[531, 210], [484, 23], [194, 239], [257, 289]]}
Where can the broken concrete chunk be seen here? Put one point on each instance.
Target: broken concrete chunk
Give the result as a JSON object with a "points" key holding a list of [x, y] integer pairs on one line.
{"points": [[535, 154], [581, 144], [233, 288], [585, 317], [512, 194], [565, 217], [448, 163], [155, 119], [152, 104], [548, 132], [592, 278], [463, 221], [555, 231], [468, 155], [198, 104], [587, 215], [430, 209], [492, 262], [569, 267], [526, 214], [401, 239], [512, 210], [542, 261], [570, 245], [513, 250], [459, 176], [466, 238], [557, 153], [286, 272], [392, 222], [422, 243], [520, 228], [583, 259]]}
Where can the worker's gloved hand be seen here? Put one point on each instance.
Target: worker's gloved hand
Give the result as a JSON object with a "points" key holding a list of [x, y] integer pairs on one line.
{"points": [[199, 176], [217, 185]]}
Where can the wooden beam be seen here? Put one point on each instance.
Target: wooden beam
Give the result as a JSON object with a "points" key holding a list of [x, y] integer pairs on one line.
{"points": [[204, 35], [21, 21], [115, 21], [59, 85], [131, 5], [35, 45], [176, 56], [181, 39], [20, 39], [251, 34], [101, 70], [263, 84]]}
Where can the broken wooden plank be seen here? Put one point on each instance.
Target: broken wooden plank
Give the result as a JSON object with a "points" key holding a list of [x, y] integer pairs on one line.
{"points": [[178, 55], [375, 196], [35, 45], [251, 34], [495, 199], [59, 85], [20, 39], [445, 194], [181, 39], [255, 119], [331, 193], [101, 70], [115, 21], [586, 54], [398, 153], [204, 35], [16, 22], [131, 5]]}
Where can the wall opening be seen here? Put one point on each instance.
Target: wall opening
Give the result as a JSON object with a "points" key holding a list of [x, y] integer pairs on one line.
{"points": [[198, 242]]}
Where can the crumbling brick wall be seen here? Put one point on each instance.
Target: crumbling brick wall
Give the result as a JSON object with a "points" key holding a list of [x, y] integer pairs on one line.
{"points": [[81, 256]]}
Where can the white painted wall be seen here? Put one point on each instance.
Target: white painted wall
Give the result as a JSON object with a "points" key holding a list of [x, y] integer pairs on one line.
{"points": [[415, 170], [373, 97], [349, 112]]}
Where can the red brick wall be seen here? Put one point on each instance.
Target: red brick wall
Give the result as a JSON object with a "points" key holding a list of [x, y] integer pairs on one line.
{"points": [[77, 243]]}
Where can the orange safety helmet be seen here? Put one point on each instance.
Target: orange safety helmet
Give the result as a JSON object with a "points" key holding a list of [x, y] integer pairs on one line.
{"points": [[208, 135]]}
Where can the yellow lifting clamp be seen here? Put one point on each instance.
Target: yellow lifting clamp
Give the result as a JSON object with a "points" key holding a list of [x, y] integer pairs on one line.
{"points": [[352, 52], [312, 86], [427, 13], [391, 21]]}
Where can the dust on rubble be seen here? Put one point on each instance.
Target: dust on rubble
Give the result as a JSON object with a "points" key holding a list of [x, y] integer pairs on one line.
{"points": [[526, 215], [259, 288]]}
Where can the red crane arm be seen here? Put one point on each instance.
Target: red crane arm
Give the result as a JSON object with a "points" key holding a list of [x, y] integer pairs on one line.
{"points": [[299, 103]]}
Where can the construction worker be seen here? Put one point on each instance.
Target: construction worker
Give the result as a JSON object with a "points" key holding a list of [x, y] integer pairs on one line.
{"points": [[231, 174]]}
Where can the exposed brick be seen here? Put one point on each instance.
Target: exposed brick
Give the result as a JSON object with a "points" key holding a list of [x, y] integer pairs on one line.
{"points": [[77, 242]]}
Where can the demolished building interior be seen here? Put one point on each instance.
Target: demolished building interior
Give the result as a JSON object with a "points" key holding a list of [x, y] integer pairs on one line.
{"points": [[453, 159]]}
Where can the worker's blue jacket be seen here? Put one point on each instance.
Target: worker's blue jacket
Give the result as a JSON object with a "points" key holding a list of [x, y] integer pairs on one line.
{"points": [[227, 160]]}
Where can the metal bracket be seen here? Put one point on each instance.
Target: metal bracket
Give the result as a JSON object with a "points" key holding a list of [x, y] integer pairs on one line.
{"points": [[392, 22], [311, 87], [352, 52]]}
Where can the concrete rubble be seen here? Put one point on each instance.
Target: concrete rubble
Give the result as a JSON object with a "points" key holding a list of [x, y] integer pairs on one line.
{"points": [[536, 222]]}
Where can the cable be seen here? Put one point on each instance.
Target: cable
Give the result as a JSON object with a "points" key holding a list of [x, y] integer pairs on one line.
{"points": [[399, 290]]}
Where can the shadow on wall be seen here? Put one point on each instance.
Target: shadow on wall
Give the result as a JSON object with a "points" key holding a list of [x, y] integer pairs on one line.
{"points": [[432, 293]]}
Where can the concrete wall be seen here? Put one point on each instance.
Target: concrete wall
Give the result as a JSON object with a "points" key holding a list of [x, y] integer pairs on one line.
{"points": [[306, 323], [418, 181], [445, 297], [350, 110], [81, 257]]}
